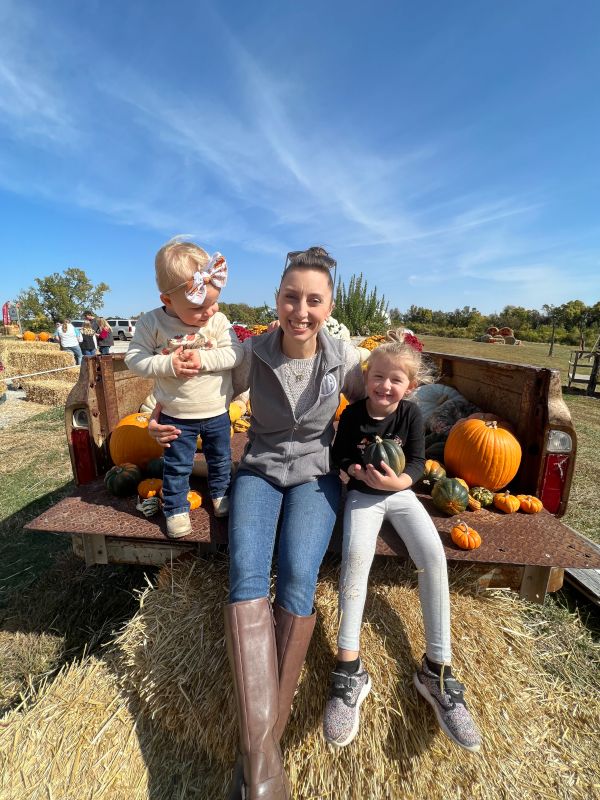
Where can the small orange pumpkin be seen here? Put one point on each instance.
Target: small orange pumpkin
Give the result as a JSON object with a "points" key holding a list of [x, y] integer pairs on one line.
{"points": [[43, 336], [464, 537], [507, 502], [194, 499], [530, 504], [150, 487], [342, 405], [29, 336]]}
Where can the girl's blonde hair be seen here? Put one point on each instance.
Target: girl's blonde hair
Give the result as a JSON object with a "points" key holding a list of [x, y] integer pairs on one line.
{"points": [[176, 262], [403, 354], [87, 328], [102, 323]]}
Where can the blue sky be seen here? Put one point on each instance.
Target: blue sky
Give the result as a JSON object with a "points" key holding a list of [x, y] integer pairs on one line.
{"points": [[449, 151]]}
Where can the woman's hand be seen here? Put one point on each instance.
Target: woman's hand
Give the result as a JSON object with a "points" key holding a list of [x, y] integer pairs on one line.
{"points": [[186, 363], [162, 433], [273, 325]]}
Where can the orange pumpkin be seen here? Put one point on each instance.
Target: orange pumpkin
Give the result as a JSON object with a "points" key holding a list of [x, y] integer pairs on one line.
{"points": [[43, 336], [29, 336], [529, 504], [342, 405], [482, 452], [150, 487], [507, 502], [131, 442], [464, 537], [194, 499]]}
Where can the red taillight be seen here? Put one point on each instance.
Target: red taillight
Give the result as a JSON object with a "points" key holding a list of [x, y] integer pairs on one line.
{"points": [[82, 456], [556, 469]]}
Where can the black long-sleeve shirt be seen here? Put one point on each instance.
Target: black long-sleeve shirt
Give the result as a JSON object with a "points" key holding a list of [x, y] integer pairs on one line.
{"points": [[357, 429]]}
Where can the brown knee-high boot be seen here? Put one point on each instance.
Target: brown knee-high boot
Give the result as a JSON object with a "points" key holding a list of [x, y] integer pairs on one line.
{"points": [[252, 651], [293, 634]]}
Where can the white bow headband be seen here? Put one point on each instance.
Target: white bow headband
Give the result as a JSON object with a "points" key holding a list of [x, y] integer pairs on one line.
{"points": [[215, 273]]}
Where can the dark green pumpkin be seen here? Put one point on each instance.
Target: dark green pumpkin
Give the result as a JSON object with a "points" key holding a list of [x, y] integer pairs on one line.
{"points": [[154, 468], [450, 496], [386, 450], [433, 471], [123, 479], [485, 496]]}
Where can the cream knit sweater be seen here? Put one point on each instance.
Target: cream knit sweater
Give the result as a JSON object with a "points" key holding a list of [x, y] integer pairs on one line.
{"points": [[206, 395]]}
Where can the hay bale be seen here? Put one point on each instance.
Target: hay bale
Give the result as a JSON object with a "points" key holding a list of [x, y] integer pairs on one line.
{"points": [[539, 737], [82, 736], [46, 392], [20, 362]]}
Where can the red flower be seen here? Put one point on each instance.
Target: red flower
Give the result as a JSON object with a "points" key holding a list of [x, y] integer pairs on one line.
{"points": [[241, 332], [413, 341]]}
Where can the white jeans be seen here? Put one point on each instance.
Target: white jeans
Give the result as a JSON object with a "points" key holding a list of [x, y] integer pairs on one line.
{"points": [[364, 515]]}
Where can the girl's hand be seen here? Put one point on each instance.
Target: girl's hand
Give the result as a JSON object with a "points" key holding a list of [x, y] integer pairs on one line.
{"points": [[358, 472], [388, 482], [162, 433], [186, 363], [272, 325]]}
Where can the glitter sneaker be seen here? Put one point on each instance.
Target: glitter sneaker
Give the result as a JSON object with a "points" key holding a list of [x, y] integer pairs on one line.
{"points": [[342, 710], [447, 700], [179, 525]]}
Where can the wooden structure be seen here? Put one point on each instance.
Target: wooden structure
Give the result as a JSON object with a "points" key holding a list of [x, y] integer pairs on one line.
{"points": [[583, 368]]}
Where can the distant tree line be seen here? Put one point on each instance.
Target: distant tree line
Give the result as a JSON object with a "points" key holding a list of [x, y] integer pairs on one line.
{"points": [[574, 323], [363, 311]]}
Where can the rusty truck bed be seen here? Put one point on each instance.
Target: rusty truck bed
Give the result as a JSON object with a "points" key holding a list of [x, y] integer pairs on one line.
{"points": [[106, 529]]}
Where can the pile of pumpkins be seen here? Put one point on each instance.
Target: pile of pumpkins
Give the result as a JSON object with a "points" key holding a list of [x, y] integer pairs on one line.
{"points": [[484, 455], [138, 457]]}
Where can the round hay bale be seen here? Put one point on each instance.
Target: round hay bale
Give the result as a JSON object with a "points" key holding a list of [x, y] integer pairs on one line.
{"points": [[172, 655]]}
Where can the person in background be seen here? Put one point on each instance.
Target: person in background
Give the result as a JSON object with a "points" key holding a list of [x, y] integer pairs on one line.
{"points": [[89, 342], [68, 338], [104, 336], [90, 317]]}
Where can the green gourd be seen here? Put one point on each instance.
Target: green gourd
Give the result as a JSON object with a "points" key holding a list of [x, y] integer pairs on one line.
{"points": [[123, 480], [450, 496], [386, 450], [485, 496]]}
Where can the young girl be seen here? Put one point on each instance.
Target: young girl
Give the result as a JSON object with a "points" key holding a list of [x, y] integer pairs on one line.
{"points": [[394, 369], [189, 348], [105, 337]]}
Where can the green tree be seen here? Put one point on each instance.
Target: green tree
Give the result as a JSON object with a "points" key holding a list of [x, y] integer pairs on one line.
{"points": [[61, 296], [576, 315], [361, 311]]}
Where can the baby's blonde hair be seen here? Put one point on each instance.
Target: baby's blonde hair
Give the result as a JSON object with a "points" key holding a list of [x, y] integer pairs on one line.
{"points": [[176, 262], [404, 355]]}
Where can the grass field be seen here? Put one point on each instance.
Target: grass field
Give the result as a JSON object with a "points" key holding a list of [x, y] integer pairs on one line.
{"points": [[53, 609]]}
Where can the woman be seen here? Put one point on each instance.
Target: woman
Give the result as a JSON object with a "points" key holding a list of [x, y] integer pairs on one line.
{"points": [[68, 338], [105, 337], [295, 374]]}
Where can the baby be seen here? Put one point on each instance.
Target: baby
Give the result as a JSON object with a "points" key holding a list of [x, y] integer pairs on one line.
{"points": [[189, 348]]}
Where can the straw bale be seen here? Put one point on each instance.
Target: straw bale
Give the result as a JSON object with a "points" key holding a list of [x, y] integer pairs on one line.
{"points": [[24, 363], [17, 345], [81, 736], [539, 734], [46, 392], [2, 387]]}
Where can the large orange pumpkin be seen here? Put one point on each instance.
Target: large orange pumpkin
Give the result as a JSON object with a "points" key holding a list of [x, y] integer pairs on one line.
{"points": [[482, 452], [131, 442], [43, 336], [29, 336]]}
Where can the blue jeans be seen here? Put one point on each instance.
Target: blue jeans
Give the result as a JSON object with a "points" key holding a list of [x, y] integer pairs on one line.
{"points": [[179, 459], [104, 349], [77, 354], [307, 513], [89, 352]]}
